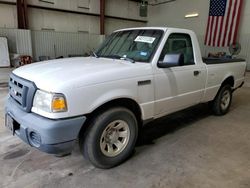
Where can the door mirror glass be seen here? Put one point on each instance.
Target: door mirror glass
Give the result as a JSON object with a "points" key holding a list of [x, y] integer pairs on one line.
{"points": [[171, 60]]}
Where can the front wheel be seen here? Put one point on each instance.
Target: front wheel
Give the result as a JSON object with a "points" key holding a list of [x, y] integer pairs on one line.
{"points": [[110, 138], [222, 101]]}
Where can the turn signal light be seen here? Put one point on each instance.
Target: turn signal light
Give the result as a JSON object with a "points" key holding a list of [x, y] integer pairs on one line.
{"points": [[59, 104]]}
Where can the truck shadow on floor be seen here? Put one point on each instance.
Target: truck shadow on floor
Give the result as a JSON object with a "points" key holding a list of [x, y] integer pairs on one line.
{"points": [[172, 123]]}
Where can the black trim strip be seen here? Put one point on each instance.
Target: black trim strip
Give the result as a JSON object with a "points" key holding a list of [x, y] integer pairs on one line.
{"points": [[144, 82], [240, 86], [7, 3], [211, 61], [49, 2]]}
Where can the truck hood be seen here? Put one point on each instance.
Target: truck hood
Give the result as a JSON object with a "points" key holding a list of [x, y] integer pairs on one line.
{"points": [[55, 75]]}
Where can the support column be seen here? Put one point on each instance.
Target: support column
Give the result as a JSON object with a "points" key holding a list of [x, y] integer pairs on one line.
{"points": [[22, 14], [25, 10], [102, 17]]}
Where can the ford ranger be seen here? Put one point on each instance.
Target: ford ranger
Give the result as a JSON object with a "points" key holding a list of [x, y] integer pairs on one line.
{"points": [[135, 76]]}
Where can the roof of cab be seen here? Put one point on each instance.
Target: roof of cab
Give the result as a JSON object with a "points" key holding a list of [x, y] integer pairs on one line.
{"points": [[156, 28], [137, 28]]}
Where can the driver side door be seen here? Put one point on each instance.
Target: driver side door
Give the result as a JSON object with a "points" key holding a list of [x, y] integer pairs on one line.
{"points": [[181, 86]]}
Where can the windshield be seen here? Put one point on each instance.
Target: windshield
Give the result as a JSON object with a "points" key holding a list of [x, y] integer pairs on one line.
{"points": [[138, 45]]}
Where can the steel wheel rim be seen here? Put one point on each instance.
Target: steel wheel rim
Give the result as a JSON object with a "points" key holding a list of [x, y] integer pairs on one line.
{"points": [[114, 138], [225, 100]]}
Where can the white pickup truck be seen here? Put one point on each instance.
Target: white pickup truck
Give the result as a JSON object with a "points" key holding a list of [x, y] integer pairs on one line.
{"points": [[136, 75]]}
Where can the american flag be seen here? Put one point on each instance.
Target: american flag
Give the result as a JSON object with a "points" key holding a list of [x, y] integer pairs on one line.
{"points": [[223, 22]]}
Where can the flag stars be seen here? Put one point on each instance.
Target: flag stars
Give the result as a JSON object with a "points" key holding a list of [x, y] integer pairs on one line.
{"points": [[217, 7]]}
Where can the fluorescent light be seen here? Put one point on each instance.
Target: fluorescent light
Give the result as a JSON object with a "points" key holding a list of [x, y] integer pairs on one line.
{"points": [[191, 15]]}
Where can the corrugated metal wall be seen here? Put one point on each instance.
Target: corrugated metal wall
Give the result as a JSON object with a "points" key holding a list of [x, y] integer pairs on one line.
{"points": [[55, 44], [23, 42], [10, 34], [19, 41], [49, 43]]}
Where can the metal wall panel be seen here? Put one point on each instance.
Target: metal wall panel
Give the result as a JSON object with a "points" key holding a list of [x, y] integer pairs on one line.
{"points": [[19, 41], [49, 43], [24, 44], [55, 44], [10, 34]]}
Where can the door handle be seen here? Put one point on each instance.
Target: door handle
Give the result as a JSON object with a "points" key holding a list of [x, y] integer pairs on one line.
{"points": [[196, 73]]}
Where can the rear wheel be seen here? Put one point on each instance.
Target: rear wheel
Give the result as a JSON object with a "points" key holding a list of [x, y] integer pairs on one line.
{"points": [[222, 101], [110, 138]]}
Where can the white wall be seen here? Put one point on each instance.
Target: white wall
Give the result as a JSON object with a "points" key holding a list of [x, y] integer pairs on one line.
{"points": [[70, 22], [8, 16], [121, 8], [173, 15], [59, 21]]}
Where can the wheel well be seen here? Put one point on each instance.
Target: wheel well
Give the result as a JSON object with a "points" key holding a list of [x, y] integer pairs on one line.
{"points": [[122, 102], [229, 80]]}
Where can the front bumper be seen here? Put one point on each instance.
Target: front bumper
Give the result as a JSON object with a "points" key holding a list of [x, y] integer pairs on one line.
{"points": [[50, 136]]}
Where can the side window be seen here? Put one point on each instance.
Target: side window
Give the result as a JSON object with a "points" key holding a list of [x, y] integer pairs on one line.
{"points": [[179, 43]]}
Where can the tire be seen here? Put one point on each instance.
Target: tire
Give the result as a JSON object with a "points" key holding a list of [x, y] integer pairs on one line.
{"points": [[110, 138], [222, 101]]}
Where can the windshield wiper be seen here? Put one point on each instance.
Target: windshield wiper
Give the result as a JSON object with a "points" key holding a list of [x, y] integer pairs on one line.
{"points": [[127, 59], [120, 57], [94, 54]]}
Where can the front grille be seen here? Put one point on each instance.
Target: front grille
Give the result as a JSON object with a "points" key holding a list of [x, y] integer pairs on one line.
{"points": [[22, 92]]}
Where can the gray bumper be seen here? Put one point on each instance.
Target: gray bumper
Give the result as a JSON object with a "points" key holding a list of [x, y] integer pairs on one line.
{"points": [[50, 136]]}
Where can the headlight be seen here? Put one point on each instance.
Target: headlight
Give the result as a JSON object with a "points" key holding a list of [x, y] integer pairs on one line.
{"points": [[49, 102]]}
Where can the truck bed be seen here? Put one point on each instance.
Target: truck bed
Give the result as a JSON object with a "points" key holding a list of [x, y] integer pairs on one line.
{"points": [[209, 60]]}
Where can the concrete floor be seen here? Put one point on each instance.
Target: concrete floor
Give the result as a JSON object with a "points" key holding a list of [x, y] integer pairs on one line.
{"points": [[188, 149]]}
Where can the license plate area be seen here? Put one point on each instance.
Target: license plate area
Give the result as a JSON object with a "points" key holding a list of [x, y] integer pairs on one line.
{"points": [[11, 124]]}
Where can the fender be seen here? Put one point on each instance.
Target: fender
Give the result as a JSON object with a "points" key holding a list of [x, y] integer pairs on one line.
{"points": [[227, 76], [110, 96]]}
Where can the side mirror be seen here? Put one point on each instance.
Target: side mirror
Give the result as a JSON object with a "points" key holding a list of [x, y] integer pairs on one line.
{"points": [[171, 60]]}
